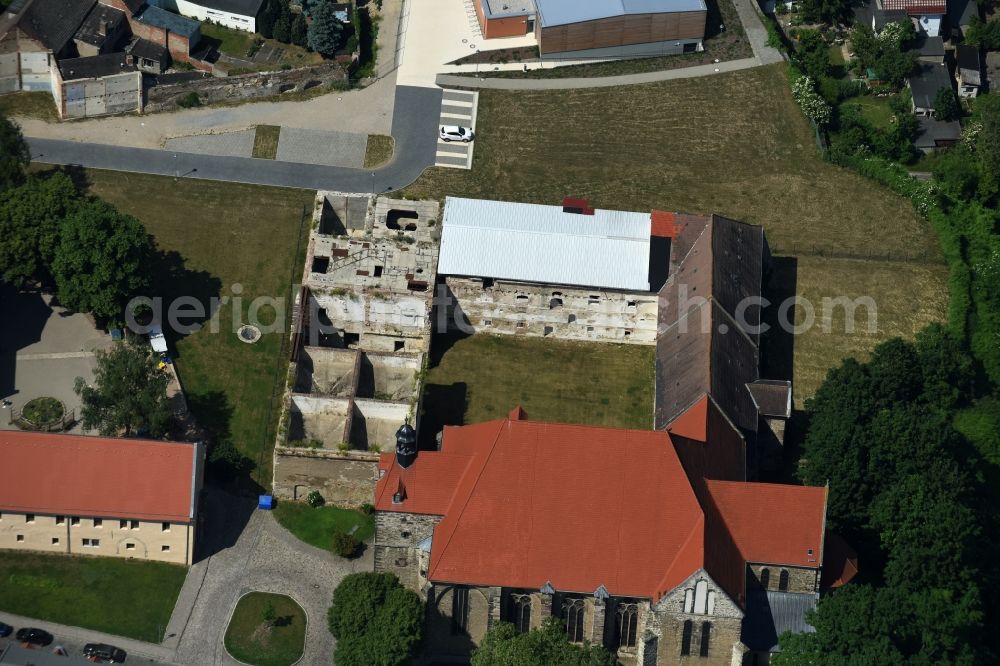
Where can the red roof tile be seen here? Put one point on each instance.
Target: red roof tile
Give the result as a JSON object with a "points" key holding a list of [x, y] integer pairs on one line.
{"points": [[528, 511], [97, 476], [773, 523], [916, 7], [664, 224]]}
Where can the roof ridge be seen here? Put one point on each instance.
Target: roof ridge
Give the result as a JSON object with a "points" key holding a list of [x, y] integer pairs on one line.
{"points": [[468, 496]]}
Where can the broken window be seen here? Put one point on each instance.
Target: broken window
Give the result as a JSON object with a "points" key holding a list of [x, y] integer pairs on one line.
{"points": [[556, 302], [378, 271], [320, 264]]}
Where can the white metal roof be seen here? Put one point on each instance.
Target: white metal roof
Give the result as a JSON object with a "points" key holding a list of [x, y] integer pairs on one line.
{"points": [[563, 12], [535, 243]]}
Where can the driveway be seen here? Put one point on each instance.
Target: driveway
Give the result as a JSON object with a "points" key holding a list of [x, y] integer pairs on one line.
{"points": [[265, 558]]}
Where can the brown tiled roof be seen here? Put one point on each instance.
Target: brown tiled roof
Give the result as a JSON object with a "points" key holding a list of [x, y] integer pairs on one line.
{"points": [[701, 348], [772, 397]]}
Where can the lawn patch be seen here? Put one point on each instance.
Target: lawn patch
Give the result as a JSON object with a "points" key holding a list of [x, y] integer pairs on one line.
{"points": [[266, 630], [482, 377], [316, 526], [230, 238], [876, 110], [265, 141], [29, 105], [735, 144], [231, 42], [379, 150], [96, 593]]}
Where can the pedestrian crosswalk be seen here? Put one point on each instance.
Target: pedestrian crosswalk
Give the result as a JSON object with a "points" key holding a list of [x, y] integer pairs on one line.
{"points": [[458, 107]]}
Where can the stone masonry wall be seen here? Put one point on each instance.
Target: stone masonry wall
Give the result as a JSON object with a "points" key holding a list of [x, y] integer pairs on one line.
{"points": [[397, 541], [554, 311], [345, 479], [800, 579], [244, 87]]}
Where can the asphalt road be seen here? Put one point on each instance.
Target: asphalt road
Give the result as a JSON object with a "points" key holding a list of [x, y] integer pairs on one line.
{"points": [[414, 127]]}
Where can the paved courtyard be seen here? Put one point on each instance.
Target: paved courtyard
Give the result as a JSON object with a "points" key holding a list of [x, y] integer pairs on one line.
{"points": [[309, 146], [232, 144], [43, 349]]}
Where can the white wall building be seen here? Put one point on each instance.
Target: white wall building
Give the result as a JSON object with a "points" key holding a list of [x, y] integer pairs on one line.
{"points": [[236, 14]]}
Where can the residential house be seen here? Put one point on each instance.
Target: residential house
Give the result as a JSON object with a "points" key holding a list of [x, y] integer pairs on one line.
{"points": [[148, 56], [649, 543], [927, 14], [929, 49], [968, 70], [570, 272], [178, 34], [933, 134], [80, 495], [102, 31], [925, 84], [566, 29]]}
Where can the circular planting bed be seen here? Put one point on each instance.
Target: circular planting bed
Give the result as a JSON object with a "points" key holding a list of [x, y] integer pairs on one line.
{"points": [[42, 413], [248, 334], [266, 630]]}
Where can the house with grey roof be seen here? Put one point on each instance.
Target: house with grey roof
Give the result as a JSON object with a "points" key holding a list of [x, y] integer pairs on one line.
{"points": [[925, 84], [968, 70]]}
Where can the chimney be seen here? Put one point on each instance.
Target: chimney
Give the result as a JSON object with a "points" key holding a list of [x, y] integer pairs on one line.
{"points": [[406, 445], [576, 206]]}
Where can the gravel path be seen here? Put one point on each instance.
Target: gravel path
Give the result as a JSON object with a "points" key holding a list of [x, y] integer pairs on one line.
{"points": [[264, 558]]}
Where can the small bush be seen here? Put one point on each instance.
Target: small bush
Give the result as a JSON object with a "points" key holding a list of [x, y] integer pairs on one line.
{"points": [[345, 544], [368, 508], [189, 100], [315, 499]]}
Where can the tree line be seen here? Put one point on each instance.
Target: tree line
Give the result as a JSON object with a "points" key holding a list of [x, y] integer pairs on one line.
{"points": [[323, 32]]}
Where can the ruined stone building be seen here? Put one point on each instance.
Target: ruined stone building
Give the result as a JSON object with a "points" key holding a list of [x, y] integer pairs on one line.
{"points": [[570, 272], [361, 332], [650, 543]]}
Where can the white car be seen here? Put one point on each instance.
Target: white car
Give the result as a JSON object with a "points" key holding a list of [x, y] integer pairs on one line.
{"points": [[455, 133]]}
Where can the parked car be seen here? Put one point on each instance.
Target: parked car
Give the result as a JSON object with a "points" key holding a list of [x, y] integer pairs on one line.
{"points": [[105, 652], [5, 630], [34, 636], [455, 133]]}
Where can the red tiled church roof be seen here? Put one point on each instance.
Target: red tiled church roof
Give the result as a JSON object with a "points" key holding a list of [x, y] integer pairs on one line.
{"points": [[772, 523], [527, 502], [105, 477]]}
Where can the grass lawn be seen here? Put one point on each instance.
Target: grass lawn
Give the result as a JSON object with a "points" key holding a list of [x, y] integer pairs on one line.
{"points": [[255, 640], [875, 110], [227, 237], [98, 593], [235, 43], [30, 105], [265, 141], [379, 150], [735, 144], [482, 377], [316, 526]]}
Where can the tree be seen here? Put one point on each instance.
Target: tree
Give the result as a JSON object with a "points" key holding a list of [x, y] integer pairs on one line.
{"points": [[946, 105], [101, 260], [376, 621], [828, 11], [129, 393], [269, 614], [544, 646], [988, 141], [31, 218], [14, 153], [326, 32], [268, 15], [985, 35], [300, 31], [283, 28]]}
